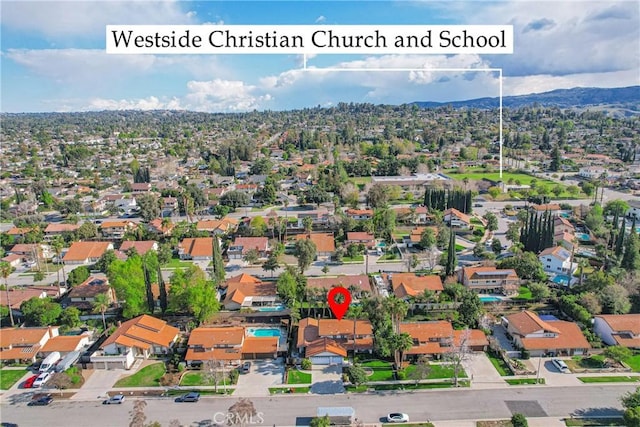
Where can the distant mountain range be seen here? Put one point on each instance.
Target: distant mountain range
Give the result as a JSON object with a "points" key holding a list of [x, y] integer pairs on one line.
{"points": [[626, 98]]}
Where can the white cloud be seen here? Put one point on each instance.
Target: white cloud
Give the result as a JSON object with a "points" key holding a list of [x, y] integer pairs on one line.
{"points": [[524, 85], [89, 18], [224, 95], [150, 103], [320, 19]]}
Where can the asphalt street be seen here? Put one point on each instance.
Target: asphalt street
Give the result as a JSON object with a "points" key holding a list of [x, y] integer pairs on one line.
{"points": [[434, 405]]}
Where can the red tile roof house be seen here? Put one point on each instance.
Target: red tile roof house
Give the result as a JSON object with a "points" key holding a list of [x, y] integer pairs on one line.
{"points": [[86, 252], [455, 218], [408, 285], [242, 245], [15, 298], [141, 247], [325, 243], [197, 249], [435, 338], [14, 260], [116, 229], [138, 338], [83, 295], [59, 229], [359, 284], [156, 227], [618, 329], [250, 294], [545, 337], [359, 214], [355, 237], [326, 341], [490, 280], [25, 344], [229, 345]]}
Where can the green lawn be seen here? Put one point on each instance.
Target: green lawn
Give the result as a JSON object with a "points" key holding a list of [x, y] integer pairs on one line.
{"points": [[297, 377], [460, 248], [207, 391], [500, 365], [382, 370], [444, 371], [198, 378], [495, 176], [177, 263], [634, 362], [149, 376], [410, 425], [524, 294], [612, 379], [524, 381], [8, 377], [357, 258]]}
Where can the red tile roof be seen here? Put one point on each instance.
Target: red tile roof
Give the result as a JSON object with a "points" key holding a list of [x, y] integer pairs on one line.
{"points": [[80, 251], [409, 284], [569, 337], [198, 246], [527, 322], [324, 242], [143, 331], [141, 247]]}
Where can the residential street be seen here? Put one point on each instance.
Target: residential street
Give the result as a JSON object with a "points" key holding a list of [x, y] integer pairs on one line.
{"points": [[434, 405]]}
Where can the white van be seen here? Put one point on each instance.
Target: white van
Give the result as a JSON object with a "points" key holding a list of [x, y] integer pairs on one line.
{"points": [[562, 367], [50, 361]]}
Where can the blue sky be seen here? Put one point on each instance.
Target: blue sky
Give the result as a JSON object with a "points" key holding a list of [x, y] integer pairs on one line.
{"points": [[52, 55]]}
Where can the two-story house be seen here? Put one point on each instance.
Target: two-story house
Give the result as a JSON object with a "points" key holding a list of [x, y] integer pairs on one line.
{"points": [[244, 292], [359, 214], [454, 218], [435, 338], [546, 336], [557, 260], [86, 252], [357, 237], [326, 341], [83, 296], [490, 280], [59, 229], [229, 345], [242, 245], [139, 337], [407, 286], [358, 285], [618, 329], [116, 229]]}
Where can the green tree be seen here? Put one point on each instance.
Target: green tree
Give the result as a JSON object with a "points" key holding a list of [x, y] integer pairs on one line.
{"points": [[305, 251], [427, 238], [513, 232], [128, 281], [101, 304], [496, 246], [324, 421], [105, 261], [384, 223], [357, 375], [631, 403], [470, 308], [165, 253], [149, 206], [217, 263], [78, 275], [398, 345], [234, 199], [271, 264], [5, 271], [452, 262], [251, 257], [41, 311], [539, 291], [618, 353], [378, 196], [494, 192], [87, 230], [70, 317], [519, 420], [287, 286], [492, 221], [526, 264], [192, 293], [614, 299], [631, 258]]}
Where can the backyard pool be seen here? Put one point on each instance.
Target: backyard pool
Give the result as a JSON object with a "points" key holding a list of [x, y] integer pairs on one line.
{"points": [[274, 308], [490, 299], [263, 332], [583, 236], [561, 279]]}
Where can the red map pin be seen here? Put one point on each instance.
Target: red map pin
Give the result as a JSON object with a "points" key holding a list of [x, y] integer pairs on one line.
{"points": [[339, 308]]}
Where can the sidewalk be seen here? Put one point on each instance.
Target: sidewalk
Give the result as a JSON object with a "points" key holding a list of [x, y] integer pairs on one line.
{"points": [[533, 422]]}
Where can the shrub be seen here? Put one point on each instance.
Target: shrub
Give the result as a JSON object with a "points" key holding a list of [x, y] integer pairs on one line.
{"points": [[402, 375], [305, 364], [524, 354], [519, 420], [233, 376]]}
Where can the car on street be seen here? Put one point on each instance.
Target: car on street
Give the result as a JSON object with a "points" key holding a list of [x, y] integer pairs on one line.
{"points": [[41, 379], [28, 383], [189, 397], [397, 417], [41, 401], [246, 367], [118, 399]]}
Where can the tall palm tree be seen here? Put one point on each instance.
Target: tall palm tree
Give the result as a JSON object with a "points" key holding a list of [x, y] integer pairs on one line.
{"points": [[100, 305], [58, 244], [397, 309], [5, 271], [355, 312]]}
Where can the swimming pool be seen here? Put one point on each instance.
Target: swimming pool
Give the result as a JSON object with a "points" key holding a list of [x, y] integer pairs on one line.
{"points": [[263, 332], [583, 236], [490, 299], [561, 279], [274, 308]]}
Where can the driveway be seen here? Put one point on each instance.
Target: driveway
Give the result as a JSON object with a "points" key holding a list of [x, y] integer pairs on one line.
{"points": [[481, 371], [99, 383], [501, 335], [263, 374], [552, 375], [327, 379]]}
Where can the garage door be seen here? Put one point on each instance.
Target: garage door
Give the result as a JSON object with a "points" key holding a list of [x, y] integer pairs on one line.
{"points": [[326, 360]]}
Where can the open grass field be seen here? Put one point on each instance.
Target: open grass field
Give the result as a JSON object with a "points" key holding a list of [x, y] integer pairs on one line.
{"points": [[8, 377], [149, 376]]}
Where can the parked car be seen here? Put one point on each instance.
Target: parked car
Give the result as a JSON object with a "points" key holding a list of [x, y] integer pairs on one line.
{"points": [[561, 366], [246, 367], [29, 381], [118, 399], [397, 417], [189, 397], [41, 401], [41, 379]]}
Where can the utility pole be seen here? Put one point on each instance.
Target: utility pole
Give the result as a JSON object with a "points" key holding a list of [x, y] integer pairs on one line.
{"points": [[538, 373]]}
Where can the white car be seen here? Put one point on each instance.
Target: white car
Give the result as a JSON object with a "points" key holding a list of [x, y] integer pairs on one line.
{"points": [[397, 417], [42, 378], [561, 366], [118, 399]]}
